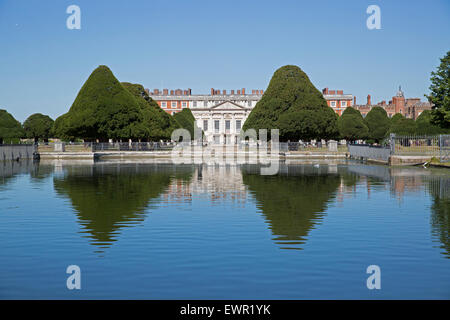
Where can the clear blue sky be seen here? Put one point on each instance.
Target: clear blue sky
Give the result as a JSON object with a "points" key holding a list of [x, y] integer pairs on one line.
{"points": [[220, 44]]}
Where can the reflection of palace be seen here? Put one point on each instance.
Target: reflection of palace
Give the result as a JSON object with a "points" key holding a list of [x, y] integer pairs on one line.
{"points": [[214, 182], [107, 198]]}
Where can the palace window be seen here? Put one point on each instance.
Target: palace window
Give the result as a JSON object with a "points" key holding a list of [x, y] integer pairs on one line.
{"points": [[238, 124], [194, 104], [205, 125], [249, 103], [173, 104], [333, 104], [163, 104], [184, 104], [227, 124], [216, 125], [343, 103]]}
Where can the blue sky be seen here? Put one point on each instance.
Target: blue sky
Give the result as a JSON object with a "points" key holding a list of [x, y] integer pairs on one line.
{"points": [[221, 44]]}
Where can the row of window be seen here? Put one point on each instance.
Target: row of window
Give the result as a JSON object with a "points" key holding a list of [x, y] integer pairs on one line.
{"points": [[173, 104], [184, 104], [333, 104], [217, 125]]}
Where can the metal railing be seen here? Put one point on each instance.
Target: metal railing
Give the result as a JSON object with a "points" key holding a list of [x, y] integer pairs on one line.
{"points": [[132, 146], [303, 147], [108, 146], [444, 146], [423, 145], [415, 145]]}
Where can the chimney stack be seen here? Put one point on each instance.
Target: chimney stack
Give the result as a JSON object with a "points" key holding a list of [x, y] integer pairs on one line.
{"points": [[239, 92], [232, 92], [212, 91], [354, 100], [325, 91], [243, 91], [171, 92], [224, 92], [369, 103], [261, 92], [341, 92], [165, 92]]}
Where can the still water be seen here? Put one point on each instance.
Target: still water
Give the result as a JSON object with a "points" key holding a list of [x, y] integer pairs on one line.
{"points": [[159, 231]]}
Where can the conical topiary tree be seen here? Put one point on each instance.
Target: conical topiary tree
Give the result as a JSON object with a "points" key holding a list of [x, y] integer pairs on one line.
{"points": [[159, 123], [378, 123], [38, 126], [293, 105], [352, 126], [425, 126], [103, 109], [186, 120], [10, 128], [404, 126], [397, 117]]}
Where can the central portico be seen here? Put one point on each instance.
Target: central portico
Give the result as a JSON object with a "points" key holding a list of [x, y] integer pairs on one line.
{"points": [[220, 114], [223, 122]]}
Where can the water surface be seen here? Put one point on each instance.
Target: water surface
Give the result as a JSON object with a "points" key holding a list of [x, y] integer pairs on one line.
{"points": [[159, 231]]}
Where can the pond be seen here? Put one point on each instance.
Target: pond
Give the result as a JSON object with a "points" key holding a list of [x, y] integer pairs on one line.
{"points": [[163, 231]]}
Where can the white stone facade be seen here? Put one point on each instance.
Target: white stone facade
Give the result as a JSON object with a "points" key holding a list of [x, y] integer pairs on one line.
{"points": [[223, 122], [220, 116]]}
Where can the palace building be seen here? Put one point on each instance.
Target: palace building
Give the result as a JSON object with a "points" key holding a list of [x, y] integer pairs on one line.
{"points": [[220, 114], [337, 100], [410, 108]]}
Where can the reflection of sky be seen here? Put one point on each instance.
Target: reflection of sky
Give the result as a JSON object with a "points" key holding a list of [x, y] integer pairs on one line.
{"points": [[196, 250]]}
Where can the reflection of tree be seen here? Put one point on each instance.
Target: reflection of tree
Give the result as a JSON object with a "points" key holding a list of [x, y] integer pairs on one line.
{"points": [[440, 211], [109, 197], [292, 204]]}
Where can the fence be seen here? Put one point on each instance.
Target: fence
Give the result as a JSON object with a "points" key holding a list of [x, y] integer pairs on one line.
{"points": [[426, 145], [133, 146], [444, 147], [317, 147], [433, 146], [106, 146]]}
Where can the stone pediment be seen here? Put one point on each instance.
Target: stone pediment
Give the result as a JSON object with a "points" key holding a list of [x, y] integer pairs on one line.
{"points": [[228, 105]]}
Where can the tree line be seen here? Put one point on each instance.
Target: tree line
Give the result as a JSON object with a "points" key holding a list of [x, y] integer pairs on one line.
{"points": [[376, 126], [108, 109]]}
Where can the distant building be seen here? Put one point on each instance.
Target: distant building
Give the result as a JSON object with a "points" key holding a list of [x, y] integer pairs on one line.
{"points": [[219, 114], [410, 108], [337, 100]]}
